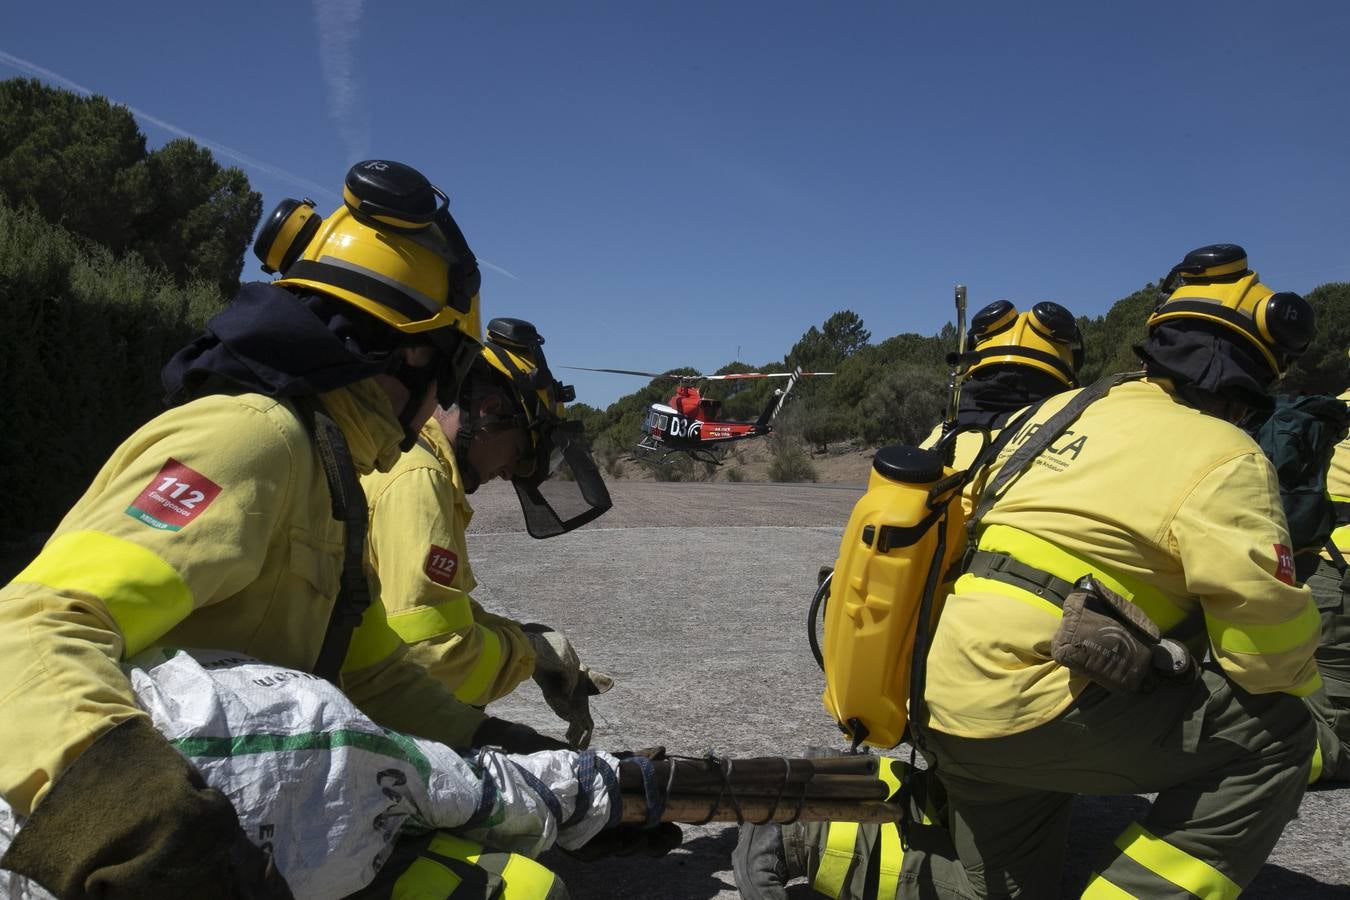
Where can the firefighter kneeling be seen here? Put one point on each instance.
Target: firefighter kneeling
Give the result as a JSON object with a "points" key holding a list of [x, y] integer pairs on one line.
{"points": [[1159, 497]]}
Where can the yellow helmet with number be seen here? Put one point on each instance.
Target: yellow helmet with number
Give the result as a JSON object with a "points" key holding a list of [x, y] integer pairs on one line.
{"points": [[1216, 286], [392, 250]]}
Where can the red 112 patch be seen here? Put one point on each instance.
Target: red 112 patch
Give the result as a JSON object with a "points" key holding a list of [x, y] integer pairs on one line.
{"points": [[1284, 564], [441, 565], [174, 497]]}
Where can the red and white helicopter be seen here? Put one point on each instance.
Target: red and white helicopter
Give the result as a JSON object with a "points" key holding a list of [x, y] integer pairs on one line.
{"points": [[692, 423]]}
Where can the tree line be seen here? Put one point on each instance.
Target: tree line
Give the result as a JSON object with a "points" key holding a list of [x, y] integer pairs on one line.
{"points": [[81, 163], [894, 391]]}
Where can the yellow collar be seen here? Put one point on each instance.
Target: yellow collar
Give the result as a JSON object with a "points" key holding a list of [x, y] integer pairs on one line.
{"points": [[436, 441], [368, 422]]}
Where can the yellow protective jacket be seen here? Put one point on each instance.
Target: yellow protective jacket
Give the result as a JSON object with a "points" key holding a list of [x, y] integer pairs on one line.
{"points": [[1176, 510], [1338, 485], [209, 527], [420, 563]]}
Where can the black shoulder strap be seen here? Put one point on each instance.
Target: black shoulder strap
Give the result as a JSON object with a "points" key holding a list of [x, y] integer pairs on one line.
{"points": [[349, 508], [1055, 426]]}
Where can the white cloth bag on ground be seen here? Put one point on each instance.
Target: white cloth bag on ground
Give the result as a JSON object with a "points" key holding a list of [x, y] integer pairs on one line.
{"points": [[329, 791]]}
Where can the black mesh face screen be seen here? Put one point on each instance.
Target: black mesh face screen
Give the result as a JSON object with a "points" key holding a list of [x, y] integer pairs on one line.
{"points": [[572, 494]]}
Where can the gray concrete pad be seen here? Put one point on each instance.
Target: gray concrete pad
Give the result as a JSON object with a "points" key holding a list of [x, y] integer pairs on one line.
{"points": [[694, 597]]}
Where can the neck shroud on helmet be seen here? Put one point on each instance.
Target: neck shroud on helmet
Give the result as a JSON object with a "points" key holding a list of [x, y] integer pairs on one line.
{"points": [[1221, 335]]}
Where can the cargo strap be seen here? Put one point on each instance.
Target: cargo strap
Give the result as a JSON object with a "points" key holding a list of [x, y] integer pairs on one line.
{"points": [[1002, 567], [349, 508]]}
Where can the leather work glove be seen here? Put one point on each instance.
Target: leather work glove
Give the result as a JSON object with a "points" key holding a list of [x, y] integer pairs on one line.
{"points": [[631, 839], [566, 684], [131, 818], [512, 737]]}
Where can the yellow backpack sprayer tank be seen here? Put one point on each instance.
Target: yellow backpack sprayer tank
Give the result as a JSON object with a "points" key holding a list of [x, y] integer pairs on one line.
{"points": [[903, 535]]}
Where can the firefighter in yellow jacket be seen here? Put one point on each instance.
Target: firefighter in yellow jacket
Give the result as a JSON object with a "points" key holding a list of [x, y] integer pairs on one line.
{"points": [[419, 511], [1331, 705], [214, 525], [1017, 359], [1157, 495]]}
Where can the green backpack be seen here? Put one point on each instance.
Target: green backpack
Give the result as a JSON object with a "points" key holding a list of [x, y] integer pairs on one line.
{"points": [[1299, 438]]}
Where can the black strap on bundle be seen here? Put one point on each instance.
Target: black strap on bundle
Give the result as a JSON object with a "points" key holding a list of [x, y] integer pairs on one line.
{"points": [[349, 508]]}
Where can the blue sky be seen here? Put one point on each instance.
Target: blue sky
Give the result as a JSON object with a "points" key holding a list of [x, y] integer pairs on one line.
{"points": [[660, 184]]}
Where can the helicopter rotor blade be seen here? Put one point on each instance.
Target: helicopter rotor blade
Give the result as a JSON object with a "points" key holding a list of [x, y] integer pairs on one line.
{"points": [[728, 377], [626, 372]]}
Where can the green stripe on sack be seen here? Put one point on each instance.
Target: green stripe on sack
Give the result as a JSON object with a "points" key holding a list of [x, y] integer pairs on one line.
{"points": [[388, 744]]}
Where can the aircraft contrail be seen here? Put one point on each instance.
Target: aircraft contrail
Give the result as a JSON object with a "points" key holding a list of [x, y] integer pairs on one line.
{"points": [[315, 190], [337, 22], [244, 159]]}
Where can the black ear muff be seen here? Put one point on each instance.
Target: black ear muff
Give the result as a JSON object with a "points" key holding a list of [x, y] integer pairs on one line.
{"points": [[993, 318], [1058, 324], [391, 196], [286, 234], [514, 333], [1055, 322], [1287, 321]]}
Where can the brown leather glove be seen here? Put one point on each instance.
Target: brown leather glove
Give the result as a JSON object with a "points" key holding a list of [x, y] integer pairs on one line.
{"points": [[513, 737], [131, 818], [567, 684]]}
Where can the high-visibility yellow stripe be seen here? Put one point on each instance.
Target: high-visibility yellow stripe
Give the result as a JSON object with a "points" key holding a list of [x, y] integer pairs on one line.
{"points": [[892, 858], [837, 859], [425, 879], [1098, 888], [1175, 865], [1265, 639], [1316, 771], [484, 668], [886, 767], [1308, 685], [145, 595], [455, 847], [423, 622], [1035, 551], [525, 879], [522, 877], [372, 641], [967, 584]]}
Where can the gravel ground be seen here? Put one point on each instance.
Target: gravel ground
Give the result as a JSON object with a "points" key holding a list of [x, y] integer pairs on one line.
{"points": [[694, 596]]}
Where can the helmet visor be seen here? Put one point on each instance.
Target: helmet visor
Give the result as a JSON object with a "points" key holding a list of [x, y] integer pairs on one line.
{"points": [[566, 493]]}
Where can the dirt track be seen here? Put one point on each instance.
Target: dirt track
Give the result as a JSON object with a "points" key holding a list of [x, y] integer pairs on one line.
{"points": [[694, 597]]}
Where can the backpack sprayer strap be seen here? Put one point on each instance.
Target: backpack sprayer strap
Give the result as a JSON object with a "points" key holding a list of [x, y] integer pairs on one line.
{"points": [[349, 508], [1004, 568]]}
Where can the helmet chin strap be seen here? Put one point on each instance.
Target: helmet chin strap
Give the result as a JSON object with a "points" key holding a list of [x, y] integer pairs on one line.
{"points": [[469, 425], [416, 380]]}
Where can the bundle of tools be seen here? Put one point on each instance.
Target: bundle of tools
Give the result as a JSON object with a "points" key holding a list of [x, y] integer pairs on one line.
{"points": [[698, 790]]}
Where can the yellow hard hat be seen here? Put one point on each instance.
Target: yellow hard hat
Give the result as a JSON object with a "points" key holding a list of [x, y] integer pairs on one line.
{"points": [[1216, 286], [392, 250], [1045, 338]]}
